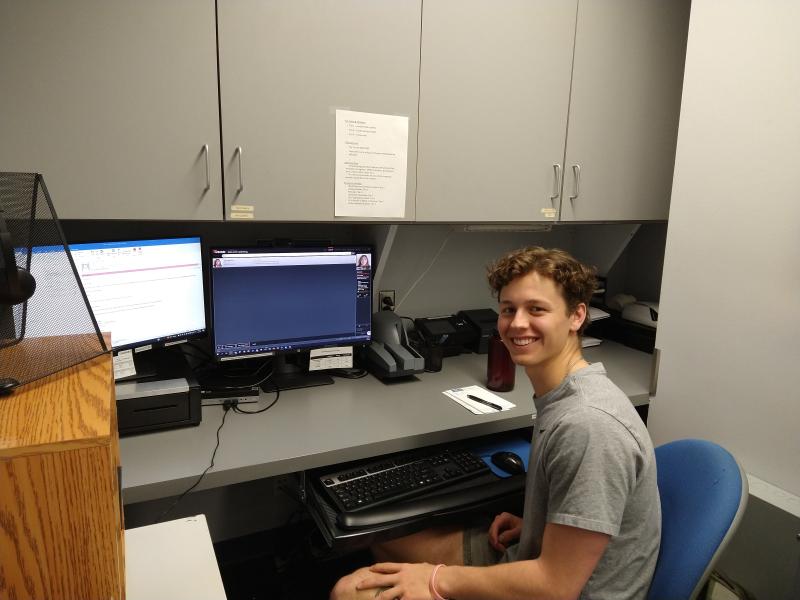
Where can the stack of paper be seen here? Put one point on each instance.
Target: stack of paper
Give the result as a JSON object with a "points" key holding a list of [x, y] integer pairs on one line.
{"points": [[595, 314]]}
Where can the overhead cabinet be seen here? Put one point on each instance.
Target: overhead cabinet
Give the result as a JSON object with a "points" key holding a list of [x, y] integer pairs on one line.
{"points": [[528, 111], [285, 67], [115, 103], [494, 93], [624, 109], [510, 130]]}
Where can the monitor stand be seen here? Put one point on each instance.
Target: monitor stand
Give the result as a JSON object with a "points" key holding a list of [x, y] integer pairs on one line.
{"points": [[291, 376]]}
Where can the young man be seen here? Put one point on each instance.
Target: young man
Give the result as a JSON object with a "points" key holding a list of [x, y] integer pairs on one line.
{"points": [[592, 517]]}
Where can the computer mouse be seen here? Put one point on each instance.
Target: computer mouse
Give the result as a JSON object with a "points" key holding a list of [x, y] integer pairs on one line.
{"points": [[7, 384], [510, 462]]}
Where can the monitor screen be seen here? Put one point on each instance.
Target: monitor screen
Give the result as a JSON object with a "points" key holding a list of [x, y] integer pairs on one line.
{"points": [[144, 291], [265, 300]]}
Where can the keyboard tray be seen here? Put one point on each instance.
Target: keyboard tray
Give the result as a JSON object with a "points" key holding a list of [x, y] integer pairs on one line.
{"points": [[349, 531], [484, 495]]}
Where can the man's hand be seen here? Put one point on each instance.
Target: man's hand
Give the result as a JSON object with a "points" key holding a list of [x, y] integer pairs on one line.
{"points": [[399, 580], [505, 529]]}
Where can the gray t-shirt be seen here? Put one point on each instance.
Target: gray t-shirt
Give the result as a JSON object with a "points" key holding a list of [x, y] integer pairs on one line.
{"points": [[592, 466]]}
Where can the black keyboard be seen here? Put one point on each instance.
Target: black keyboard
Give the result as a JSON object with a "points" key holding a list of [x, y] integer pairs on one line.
{"points": [[398, 477]]}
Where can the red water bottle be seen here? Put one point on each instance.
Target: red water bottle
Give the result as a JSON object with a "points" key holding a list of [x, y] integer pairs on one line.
{"points": [[500, 368]]}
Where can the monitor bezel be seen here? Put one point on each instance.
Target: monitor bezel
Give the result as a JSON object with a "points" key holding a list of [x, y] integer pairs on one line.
{"points": [[355, 248], [165, 341]]}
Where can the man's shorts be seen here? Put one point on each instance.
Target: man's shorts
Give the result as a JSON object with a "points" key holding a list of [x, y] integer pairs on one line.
{"points": [[477, 551]]}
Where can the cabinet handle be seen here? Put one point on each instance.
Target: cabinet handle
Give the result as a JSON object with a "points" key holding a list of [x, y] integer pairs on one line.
{"points": [[238, 153], [208, 173], [556, 181], [576, 189]]}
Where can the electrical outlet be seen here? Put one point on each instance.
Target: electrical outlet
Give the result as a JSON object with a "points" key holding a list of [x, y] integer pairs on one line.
{"points": [[386, 300]]}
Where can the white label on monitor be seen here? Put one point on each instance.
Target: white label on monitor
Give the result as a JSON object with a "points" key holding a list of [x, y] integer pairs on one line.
{"points": [[123, 365], [143, 348], [339, 357], [175, 343]]}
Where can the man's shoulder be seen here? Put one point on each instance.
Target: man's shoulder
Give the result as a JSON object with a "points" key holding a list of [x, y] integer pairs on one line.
{"points": [[598, 418]]}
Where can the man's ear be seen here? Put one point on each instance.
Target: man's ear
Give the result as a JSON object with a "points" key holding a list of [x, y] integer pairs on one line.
{"points": [[578, 317]]}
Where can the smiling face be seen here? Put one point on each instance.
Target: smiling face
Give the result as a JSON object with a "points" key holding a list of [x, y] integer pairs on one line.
{"points": [[535, 324]]}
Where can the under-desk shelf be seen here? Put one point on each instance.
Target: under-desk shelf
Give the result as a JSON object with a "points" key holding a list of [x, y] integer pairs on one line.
{"points": [[349, 420]]}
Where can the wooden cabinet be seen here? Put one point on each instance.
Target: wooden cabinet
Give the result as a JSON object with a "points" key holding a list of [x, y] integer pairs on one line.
{"points": [[61, 529], [115, 103], [624, 108], [285, 67], [501, 103], [494, 94]]}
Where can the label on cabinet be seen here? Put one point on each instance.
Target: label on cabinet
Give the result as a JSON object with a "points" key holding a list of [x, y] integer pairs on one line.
{"points": [[371, 165], [242, 211]]}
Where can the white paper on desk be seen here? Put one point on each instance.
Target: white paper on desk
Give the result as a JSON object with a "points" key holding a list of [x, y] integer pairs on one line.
{"points": [[339, 357], [595, 314], [460, 396], [371, 165]]}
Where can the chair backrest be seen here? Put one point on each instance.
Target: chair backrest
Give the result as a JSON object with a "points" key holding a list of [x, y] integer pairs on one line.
{"points": [[703, 494]]}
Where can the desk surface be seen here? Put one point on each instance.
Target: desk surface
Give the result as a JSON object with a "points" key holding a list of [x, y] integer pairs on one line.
{"points": [[349, 420]]}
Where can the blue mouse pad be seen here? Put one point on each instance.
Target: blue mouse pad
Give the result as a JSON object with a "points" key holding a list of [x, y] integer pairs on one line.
{"points": [[515, 444]]}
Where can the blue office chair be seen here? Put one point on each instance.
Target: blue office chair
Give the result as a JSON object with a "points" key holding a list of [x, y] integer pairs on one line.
{"points": [[703, 496]]}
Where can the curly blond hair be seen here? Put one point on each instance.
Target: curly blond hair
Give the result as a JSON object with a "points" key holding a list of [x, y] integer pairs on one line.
{"points": [[576, 281]]}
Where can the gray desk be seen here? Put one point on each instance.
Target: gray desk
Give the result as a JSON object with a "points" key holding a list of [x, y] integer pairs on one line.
{"points": [[349, 420]]}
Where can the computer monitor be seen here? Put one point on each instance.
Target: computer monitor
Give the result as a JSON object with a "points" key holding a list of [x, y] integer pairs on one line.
{"points": [[147, 293], [282, 300]]}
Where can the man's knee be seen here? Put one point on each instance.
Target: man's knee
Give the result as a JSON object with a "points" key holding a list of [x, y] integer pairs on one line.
{"points": [[345, 588]]}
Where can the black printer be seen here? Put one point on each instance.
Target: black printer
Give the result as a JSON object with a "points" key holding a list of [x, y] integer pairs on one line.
{"points": [[483, 322]]}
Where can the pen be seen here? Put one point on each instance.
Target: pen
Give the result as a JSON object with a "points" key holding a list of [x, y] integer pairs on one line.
{"points": [[486, 402]]}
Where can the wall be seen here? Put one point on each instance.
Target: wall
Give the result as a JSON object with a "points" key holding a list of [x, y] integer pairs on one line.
{"points": [[447, 263], [440, 269], [728, 326]]}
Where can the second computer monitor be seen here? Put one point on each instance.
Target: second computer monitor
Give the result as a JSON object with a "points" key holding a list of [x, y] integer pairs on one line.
{"points": [[144, 292], [268, 300]]}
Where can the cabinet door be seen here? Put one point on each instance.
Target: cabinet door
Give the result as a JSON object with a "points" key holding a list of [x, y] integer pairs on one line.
{"points": [[285, 67], [113, 102], [494, 94], [624, 109]]}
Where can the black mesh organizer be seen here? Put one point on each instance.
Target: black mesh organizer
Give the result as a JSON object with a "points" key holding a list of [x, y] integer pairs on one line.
{"points": [[46, 324]]}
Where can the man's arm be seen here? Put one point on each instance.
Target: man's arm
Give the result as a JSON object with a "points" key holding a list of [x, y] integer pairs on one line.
{"points": [[569, 556]]}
